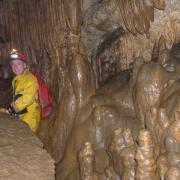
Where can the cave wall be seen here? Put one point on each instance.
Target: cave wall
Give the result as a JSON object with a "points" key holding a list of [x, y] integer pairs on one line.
{"points": [[44, 30], [41, 30], [38, 29]]}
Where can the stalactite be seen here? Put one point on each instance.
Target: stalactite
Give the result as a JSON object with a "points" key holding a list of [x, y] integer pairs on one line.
{"points": [[116, 58]]}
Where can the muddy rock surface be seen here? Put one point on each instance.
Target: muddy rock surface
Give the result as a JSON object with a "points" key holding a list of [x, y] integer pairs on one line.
{"points": [[22, 156]]}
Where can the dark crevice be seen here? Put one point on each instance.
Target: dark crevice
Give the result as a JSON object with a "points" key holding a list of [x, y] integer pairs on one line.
{"points": [[109, 39]]}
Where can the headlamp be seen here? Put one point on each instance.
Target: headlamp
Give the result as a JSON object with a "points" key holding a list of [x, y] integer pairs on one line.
{"points": [[14, 56]]}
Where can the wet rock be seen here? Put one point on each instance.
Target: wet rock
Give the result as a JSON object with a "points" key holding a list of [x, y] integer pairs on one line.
{"points": [[22, 155]]}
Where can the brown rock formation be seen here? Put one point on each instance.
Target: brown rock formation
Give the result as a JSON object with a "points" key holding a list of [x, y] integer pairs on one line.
{"points": [[145, 156], [21, 152]]}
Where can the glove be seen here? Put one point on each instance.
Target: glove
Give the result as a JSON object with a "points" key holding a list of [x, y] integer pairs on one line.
{"points": [[10, 110], [2, 110]]}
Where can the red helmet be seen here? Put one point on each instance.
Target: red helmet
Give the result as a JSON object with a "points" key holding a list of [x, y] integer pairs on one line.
{"points": [[17, 56]]}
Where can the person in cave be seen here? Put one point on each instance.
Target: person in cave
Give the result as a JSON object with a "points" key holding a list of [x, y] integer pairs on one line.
{"points": [[25, 103]]}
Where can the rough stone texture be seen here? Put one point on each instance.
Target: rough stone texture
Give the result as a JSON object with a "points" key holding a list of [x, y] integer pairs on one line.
{"points": [[22, 156], [111, 50]]}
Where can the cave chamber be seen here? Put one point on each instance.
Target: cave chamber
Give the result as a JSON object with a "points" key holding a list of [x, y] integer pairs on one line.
{"points": [[113, 69]]}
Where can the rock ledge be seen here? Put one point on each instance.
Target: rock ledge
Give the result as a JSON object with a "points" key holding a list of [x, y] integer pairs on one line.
{"points": [[22, 156]]}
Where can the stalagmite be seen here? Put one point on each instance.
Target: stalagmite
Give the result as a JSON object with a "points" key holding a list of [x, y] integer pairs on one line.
{"points": [[122, 149], [162, 166], [172, 174], [145, 157], [172, 144], [87, 162], [116, 146], [128, 157]]}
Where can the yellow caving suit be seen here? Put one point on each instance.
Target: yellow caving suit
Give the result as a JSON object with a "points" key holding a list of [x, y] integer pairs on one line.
{"points": [[25, 98]]}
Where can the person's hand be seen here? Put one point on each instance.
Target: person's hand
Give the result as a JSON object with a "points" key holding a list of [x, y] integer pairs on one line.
{"points": [[3, 110], [10, 110]]}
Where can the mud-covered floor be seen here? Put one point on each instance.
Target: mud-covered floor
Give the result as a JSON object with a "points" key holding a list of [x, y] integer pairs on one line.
{"points": [[21, 152]]}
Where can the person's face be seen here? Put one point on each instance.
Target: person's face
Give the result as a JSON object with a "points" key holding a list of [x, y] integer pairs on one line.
{"points": [[18, 66]]}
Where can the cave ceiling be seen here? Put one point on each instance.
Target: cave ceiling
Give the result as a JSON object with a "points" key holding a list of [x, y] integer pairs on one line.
{"points": [[100, 24], [117, 32]]}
